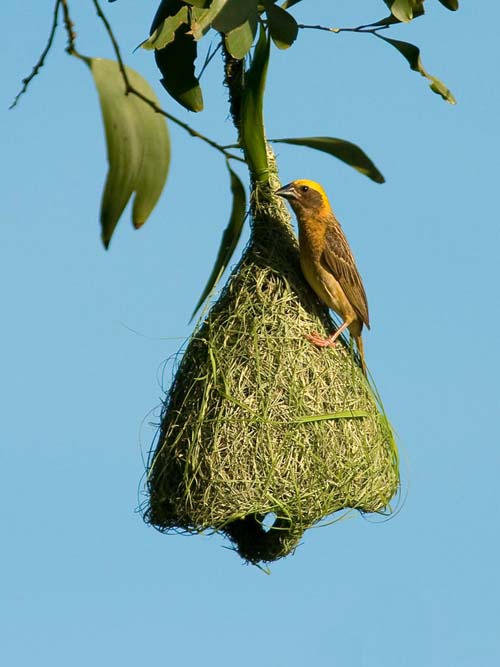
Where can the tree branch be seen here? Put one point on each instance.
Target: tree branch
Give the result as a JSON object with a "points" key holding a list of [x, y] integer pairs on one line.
{"points": [[365, 29], [129, 89], [41, 61]]}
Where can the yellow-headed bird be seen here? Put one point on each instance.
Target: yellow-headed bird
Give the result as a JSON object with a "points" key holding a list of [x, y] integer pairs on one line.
{"points": [[327, 261]]}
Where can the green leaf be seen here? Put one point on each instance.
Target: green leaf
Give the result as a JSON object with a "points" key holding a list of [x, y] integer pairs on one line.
{"points": [[166, 8], [252, 115], [282, 26], [450, 4], [239, 41], [138, 146], [342, 150], [165, 32], [230, 236], [176, 63], [155, 161], [412, 55], [233, 14], [202, 19], [405, 10]]}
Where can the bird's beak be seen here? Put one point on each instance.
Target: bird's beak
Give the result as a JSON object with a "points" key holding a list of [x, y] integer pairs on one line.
{"points": [[287, 192]]}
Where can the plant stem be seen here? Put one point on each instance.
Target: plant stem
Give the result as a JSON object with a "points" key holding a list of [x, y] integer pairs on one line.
{"points": [[270, 221], [234, 73]]}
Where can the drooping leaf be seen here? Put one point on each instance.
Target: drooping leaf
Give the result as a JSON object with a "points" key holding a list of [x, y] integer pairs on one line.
{"points": [[165, 32], [405, 10], [230, 236], [138, 146], [176, 63], [346, 151], [252, 115], [233, 14], [239, 41], [153, 169], [450, 4], [412, 55], [282, 26]]}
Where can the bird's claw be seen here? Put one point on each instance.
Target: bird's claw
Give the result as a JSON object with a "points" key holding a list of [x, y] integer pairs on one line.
{"points": [[317, 340]]}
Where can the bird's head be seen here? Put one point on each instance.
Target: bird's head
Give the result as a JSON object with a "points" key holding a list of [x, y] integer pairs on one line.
{"points": [[305, 197]]}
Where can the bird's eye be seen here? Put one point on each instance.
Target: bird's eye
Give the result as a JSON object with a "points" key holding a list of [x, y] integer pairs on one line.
{"points": [[304, 188]]}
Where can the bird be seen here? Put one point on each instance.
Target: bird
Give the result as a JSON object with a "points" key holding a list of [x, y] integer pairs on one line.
{"points": [[327, 262]]}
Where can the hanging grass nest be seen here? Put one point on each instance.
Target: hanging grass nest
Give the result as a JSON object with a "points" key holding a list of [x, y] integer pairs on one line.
{"points": [[258, 421]]}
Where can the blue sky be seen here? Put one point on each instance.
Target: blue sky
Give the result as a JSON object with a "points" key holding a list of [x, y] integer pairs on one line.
{"points": [[85, 334]]}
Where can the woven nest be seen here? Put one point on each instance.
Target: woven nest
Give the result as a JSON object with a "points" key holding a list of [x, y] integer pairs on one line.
{"points": [[258, 421]]}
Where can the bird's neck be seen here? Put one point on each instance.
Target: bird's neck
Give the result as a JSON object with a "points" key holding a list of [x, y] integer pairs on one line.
{"points": [[312, 231]]}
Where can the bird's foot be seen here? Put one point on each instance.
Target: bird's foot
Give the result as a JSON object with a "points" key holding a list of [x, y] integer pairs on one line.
{"points": [[317, 340]]}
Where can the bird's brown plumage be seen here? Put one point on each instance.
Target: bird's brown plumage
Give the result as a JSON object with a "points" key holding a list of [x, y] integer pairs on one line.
{"points": [[338, 259], [327, 261]]}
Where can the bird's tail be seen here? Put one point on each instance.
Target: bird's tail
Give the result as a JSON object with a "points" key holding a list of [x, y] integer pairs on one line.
{"points": [[361, 350]]}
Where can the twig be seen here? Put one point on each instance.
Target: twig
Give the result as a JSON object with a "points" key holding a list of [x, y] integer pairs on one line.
{"points": [[129, 89], [365, 29], [116, 48], [71, 34], [41, 61], [317, 27]]}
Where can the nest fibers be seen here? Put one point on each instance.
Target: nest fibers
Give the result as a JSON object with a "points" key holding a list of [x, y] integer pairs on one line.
{"points": [[258, 421]]}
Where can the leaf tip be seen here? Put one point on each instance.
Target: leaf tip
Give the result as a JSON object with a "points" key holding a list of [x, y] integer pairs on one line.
{"points": [[105, 241], [138, 222]]}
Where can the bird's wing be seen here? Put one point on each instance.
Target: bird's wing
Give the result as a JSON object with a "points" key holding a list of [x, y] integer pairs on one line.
{"points": [[337, 258]]}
